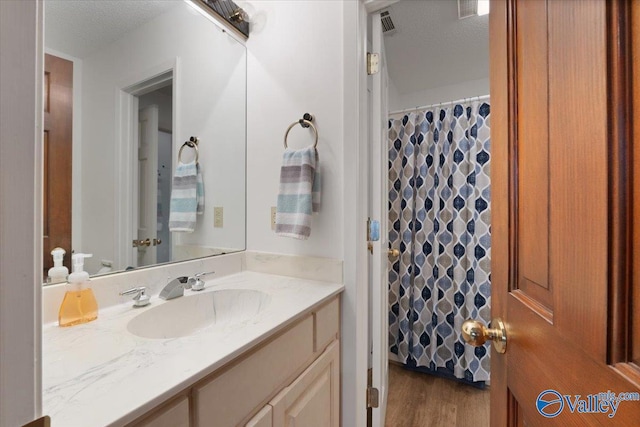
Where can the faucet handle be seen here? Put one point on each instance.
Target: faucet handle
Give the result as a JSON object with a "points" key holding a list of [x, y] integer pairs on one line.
{"points": [[140, 298], [197, 284]]}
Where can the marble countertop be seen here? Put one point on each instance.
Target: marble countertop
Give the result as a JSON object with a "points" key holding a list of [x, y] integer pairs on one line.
{"points": [[99, 374]]}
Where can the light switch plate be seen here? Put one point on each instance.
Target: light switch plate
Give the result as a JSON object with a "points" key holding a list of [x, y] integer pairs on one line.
{"points": [[273, 217], [218, 214]]}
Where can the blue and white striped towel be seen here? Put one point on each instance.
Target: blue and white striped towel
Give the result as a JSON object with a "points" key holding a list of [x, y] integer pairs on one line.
{"points": [[187, 197], [299, 194]]}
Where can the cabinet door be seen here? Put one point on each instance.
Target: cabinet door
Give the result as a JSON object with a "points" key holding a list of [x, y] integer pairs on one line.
{"points": [[264, 418], [175, 414], [313, 399]]}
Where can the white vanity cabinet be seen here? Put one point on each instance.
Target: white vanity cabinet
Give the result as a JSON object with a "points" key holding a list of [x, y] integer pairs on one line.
{"points": [[172, 414], [264, 418], [313, 399], [292, 379]]}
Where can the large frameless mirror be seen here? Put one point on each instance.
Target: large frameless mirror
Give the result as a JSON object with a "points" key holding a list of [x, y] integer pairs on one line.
{"points": [[135, 93]]}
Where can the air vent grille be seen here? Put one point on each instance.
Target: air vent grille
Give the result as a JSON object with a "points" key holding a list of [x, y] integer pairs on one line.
{"points": [[467, 8], [388, 27]]}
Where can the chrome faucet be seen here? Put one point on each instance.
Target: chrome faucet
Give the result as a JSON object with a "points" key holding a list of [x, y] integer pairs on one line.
{"points": [[175, 288], [196, 283], [140, 298]]}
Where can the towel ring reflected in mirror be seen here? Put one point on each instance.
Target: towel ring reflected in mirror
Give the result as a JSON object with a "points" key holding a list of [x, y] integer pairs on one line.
{"points": [[192, 143], [303, 123]]}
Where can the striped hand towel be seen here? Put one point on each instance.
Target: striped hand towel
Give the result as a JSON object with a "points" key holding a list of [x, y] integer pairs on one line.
{"points": [[199, 190], [187, 197], [299, 193]]}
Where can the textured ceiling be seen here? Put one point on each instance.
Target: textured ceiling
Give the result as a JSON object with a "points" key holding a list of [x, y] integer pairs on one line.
{"points": [[432, 48], [79, 28]]}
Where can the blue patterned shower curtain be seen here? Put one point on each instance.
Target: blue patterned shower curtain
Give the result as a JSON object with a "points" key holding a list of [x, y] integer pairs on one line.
{"points": [[440, 220]]}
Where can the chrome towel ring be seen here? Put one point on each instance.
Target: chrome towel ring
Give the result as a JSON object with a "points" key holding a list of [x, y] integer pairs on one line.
{"points": [[305, 122], [191, 143]]}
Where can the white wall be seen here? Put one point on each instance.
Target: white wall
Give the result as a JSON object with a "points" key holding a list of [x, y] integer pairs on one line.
{"points": [[436, 95], [294, 67], [20, 211], [306, 56], [210, 93]]}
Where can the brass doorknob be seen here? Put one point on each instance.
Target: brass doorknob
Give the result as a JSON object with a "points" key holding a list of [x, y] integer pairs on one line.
{"points": [[140, 243], [476, 334], [394, 253]]}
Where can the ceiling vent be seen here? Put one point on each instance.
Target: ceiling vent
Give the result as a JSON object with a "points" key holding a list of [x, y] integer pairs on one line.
{"points": [[467, 8], [388, 27]]}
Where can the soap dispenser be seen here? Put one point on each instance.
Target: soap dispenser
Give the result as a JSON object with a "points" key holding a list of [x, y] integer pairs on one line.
{"points": [[58, 273], [79, 304]]}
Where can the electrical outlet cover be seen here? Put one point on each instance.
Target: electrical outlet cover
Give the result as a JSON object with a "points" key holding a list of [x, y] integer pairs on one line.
{"points": [[273, 217], [218, 215]]}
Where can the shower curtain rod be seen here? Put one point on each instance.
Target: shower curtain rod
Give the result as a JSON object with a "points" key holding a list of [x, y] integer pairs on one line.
{"points": [[424, 107]]}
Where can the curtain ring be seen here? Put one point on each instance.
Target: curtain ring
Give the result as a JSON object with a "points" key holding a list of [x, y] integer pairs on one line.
{"points": [[191, 145], [301, 122]]}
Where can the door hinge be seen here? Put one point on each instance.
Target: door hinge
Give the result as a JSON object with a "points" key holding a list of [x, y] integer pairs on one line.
{"points": [[373, 62], [369, 244], [373, 396]]}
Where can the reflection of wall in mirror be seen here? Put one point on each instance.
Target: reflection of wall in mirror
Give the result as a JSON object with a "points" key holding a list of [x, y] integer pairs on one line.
{"points": [[210, 95]]}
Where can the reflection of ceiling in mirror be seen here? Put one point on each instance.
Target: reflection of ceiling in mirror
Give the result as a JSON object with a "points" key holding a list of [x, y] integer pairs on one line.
{"points": [[96, 23]]}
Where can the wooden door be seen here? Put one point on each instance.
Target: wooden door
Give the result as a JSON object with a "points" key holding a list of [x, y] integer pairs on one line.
{"points": [[57, 158], [147, 184], [562, 277]]}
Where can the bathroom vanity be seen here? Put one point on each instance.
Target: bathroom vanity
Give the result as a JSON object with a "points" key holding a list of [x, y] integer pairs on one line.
{"points": [[271, 355]]}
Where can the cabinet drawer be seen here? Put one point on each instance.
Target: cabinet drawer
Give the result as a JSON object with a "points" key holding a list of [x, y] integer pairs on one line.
{"points": [[174, 414], [231, 396], [326, 324]]}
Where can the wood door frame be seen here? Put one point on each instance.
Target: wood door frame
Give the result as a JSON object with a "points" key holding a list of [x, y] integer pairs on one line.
{"points": [[126, 168]]}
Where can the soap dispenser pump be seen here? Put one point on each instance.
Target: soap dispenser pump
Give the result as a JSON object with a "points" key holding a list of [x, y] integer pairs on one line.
{"points": [[58, 273], [79, 304]]}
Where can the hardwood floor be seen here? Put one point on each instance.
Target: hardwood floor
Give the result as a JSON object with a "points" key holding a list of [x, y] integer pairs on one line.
{"points": [[421, 400]]}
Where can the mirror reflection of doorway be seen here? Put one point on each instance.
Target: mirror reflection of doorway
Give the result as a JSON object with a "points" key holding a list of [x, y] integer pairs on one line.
{"points": [[154, 160], [57, 158]]}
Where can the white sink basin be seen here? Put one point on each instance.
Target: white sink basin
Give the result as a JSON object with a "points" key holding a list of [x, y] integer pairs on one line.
{"points": [[185, 315]]}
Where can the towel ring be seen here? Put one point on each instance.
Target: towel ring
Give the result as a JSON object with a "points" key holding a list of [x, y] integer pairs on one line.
{"points": [[191, 144], [304, 123]]}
